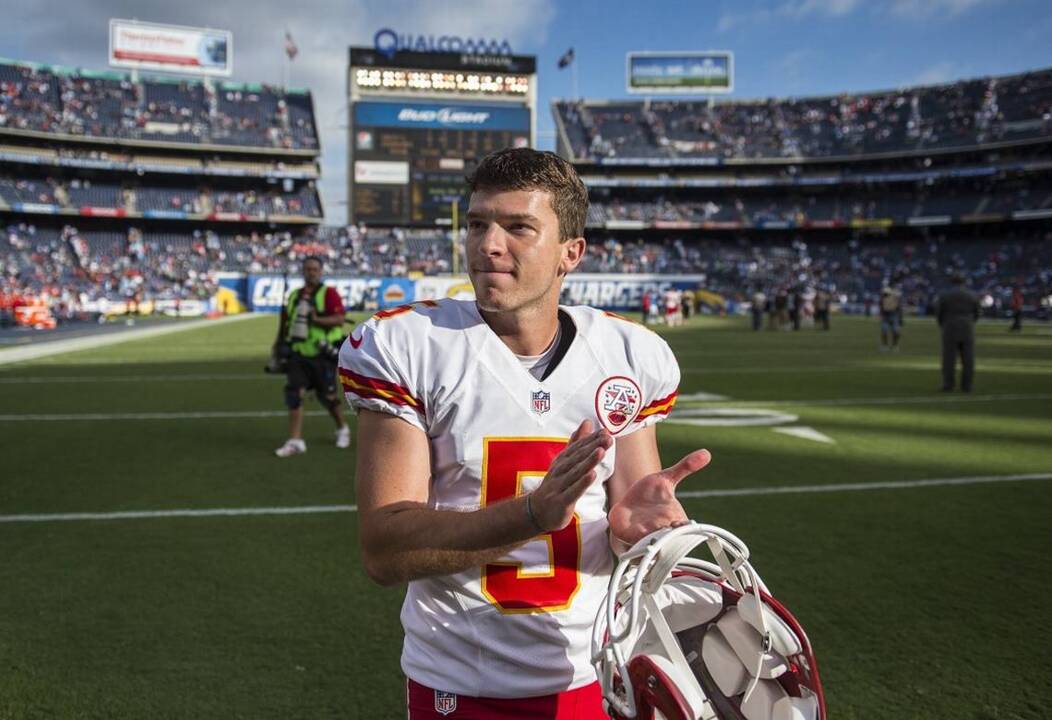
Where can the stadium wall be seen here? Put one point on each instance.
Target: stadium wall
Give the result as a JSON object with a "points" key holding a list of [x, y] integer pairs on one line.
{"points": [[266, 292]]}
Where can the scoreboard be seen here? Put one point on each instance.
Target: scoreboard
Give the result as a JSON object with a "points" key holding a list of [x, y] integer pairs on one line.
{"points": [[419, 122]]}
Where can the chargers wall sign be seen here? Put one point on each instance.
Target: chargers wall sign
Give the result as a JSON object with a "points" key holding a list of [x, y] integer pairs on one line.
{"points": [[617, 400]]}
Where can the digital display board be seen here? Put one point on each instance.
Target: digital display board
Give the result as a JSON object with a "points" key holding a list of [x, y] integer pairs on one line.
{"points": [[695, 73], [409, 159]]}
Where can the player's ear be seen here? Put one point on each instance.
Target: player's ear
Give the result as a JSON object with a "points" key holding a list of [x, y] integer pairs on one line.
{"points": [[573, 253]]}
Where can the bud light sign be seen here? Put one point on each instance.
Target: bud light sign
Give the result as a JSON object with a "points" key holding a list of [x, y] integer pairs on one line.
{"points": [[441, 117]]}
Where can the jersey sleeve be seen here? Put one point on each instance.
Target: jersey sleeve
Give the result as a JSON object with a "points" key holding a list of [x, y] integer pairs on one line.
{"points": [[659, 376], [373, 378]]}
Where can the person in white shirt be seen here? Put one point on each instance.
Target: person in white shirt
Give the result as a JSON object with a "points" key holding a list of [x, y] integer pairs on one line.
{"points": [[506, 446]]}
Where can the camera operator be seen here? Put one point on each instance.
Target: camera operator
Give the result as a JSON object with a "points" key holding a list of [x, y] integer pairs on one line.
{"points": [[311, 329]]}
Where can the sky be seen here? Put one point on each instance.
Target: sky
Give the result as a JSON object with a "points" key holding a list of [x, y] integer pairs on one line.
{"points": [[781, 48]]}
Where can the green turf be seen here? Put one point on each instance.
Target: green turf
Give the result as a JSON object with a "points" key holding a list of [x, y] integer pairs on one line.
{"points": [[922, 603]]}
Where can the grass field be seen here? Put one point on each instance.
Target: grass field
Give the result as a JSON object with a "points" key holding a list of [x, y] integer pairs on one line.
{"points": [[922, 601]]}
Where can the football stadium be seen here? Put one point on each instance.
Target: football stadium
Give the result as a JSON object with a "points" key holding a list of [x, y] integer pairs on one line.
{"points": [[798, 251]]}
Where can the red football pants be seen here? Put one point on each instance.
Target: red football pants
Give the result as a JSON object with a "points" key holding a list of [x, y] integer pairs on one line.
{"points": [[583, 703]]}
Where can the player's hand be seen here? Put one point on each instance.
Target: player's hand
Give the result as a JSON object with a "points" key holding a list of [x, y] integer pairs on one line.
{"points": [[570, 474], [650, 503]]}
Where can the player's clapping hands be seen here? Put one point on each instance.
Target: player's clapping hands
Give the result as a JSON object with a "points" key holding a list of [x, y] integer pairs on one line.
{"points": [[569, 476], [650, 503]]}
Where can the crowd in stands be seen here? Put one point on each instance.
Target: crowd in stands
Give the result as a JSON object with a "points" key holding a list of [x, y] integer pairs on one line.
{"points": [[110, 105], [76, 193], [74, 268], [854, 271], [898, 203], [956, 115]]}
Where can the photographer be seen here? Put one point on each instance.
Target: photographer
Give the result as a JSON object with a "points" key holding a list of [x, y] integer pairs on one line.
{"points": [[309, 335]]}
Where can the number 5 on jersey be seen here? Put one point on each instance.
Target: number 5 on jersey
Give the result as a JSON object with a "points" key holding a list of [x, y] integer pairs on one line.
{"points": [[505, 462]]}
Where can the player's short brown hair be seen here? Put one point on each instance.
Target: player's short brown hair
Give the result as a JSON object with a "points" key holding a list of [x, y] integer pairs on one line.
{"points": [[527, 169]]}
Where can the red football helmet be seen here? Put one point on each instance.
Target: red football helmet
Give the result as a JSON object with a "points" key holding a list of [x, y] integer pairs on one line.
{"points": [[681, 638]]}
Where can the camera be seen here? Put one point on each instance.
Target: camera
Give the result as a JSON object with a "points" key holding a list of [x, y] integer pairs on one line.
{"points": [[330, 352], [278, 361]]}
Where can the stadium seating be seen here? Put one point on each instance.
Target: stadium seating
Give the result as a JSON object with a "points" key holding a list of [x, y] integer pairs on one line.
{"points": [[75, 193], [109, 105], [91, 265], [959, 115]]}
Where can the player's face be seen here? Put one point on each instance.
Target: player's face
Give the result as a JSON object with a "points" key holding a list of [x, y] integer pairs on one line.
{"points": [[514, 256]]}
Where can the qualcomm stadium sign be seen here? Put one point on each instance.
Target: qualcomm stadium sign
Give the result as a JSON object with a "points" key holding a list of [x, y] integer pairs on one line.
{"points": [[388, 42]]}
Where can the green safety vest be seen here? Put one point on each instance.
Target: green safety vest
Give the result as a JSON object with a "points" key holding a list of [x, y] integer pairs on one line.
{"points": [[315, 334]]}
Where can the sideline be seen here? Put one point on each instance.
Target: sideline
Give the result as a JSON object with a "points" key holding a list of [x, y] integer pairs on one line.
{"points": [[91, 342], [320, 509]]}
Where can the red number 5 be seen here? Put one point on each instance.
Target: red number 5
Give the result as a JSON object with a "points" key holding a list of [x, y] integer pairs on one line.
{"points": [[505, 462]]}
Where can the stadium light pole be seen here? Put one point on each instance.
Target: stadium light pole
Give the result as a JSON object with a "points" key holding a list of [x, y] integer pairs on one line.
{"points": [[576, 92]]}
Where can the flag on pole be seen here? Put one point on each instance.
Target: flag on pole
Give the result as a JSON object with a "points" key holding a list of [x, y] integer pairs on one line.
{"points": [[566, 59], [290, 46]]}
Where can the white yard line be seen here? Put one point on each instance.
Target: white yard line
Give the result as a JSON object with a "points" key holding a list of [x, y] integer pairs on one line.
{"points": [[912, 400], [91, 342], [106, 417], [94, 379], [317, 509], [149, 514]]}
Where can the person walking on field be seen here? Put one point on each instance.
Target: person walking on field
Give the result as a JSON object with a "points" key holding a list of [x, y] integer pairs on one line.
{"points": [[1017, 310], [822, 301], [958, 310], [890, 318], [311, 327]]}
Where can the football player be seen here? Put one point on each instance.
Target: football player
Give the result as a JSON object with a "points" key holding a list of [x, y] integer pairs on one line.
{"points": [[506, 446]]}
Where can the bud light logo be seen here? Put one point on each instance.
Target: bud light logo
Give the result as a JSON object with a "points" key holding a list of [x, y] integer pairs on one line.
{"points": [[443, 116], [387, 42]]}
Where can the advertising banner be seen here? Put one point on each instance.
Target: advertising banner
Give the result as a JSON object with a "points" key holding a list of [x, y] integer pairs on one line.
{"points": [[694, 73], [171, 48], [621, 292], [435, 116], [267, 293]]}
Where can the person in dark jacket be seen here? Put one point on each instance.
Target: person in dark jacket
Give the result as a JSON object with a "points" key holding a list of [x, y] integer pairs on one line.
{"points": [[957, 311], [1017, 309]]}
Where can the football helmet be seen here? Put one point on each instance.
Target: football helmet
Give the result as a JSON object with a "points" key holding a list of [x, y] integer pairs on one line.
{"points": [[682, 638]]}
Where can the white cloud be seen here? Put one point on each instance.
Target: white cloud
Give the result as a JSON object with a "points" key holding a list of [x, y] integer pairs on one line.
{"points": [[925, 9], [790, 9], [830, 8], [323, 30]]}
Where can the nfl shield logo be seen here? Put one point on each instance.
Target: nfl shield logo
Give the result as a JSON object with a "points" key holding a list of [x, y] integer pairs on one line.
{"points": [[541, 402], [445, 702]]}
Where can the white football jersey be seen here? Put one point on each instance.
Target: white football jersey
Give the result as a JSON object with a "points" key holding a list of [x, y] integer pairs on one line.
{"points": [[520, 626]]}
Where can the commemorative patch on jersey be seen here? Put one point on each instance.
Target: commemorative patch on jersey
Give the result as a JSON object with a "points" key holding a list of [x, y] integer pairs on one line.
{"points": [[617, 401], [541, 402], [445, 702]]}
